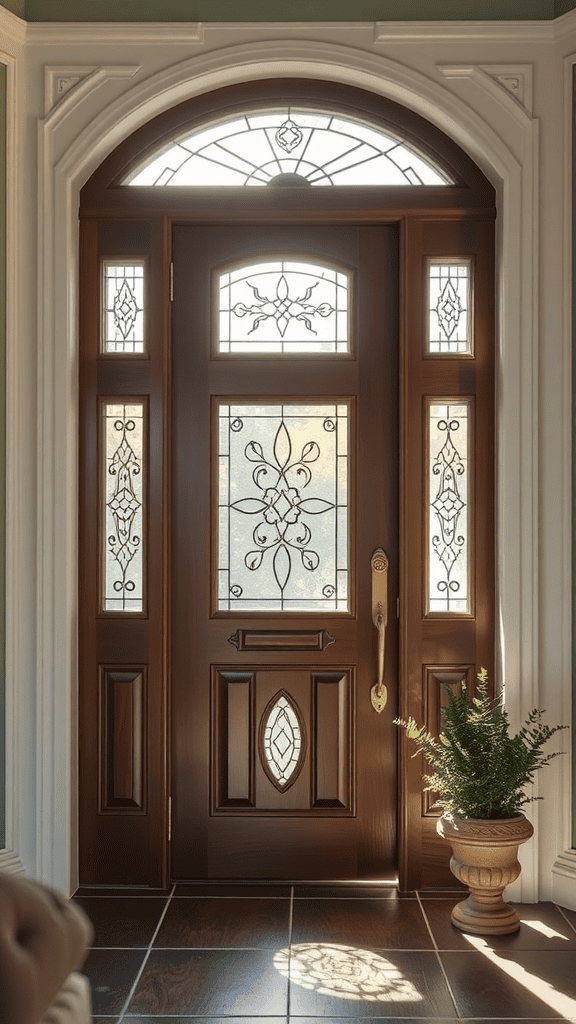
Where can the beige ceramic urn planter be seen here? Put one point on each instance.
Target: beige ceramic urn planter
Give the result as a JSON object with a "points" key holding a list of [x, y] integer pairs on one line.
{"points": [[485, 858]]}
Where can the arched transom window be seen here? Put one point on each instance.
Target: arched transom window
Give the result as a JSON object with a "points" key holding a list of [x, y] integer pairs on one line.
{"points": [[286, 146]]}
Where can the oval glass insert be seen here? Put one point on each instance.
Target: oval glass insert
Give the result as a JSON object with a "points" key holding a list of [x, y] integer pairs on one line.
{"points": [[282, 741]]}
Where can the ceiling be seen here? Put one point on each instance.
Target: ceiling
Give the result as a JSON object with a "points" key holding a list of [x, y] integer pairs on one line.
{"points": [[288, 10]]}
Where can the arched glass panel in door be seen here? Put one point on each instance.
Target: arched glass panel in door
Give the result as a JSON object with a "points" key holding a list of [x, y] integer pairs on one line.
{"points": [[288, 146]]}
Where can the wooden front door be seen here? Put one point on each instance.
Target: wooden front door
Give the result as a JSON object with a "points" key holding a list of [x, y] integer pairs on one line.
{"points": [[284, 482]]}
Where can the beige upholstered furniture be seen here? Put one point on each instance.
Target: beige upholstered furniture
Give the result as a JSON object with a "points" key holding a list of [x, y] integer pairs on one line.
{"points": [[43, 940]]}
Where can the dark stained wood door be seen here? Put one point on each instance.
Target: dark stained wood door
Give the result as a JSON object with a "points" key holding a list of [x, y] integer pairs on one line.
{"points": [[281, 767]]}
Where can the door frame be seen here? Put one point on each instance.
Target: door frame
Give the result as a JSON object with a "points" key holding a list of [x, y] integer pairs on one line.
{"points": [[70, 148], [459, 216]]}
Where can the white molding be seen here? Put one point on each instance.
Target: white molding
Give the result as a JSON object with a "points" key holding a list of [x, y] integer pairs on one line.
{"points": [[19, 806], [121, 33], [565, 25], [88, 139], [489, 79], [10, 863], [516, 78], [471, 31], [566, 399], [61, 81], [564, 880], [13, 30]]}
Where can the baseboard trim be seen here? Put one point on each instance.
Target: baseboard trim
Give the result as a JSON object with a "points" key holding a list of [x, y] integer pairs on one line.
{"points": [[564, 880]]}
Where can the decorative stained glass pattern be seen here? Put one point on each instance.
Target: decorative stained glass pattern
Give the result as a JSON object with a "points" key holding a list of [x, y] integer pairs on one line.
{"points": [[283, 307], [123, 512], [282, 741], [283, 507], [450, 307], [290, 147], [123, 320], [449, 502]]}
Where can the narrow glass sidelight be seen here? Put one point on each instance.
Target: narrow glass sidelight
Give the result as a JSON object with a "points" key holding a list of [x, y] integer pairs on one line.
{"points": [[450, 299], [283, 307], [282, 746], [123, 306], [123, 429], [448, 587], [283, 507]]}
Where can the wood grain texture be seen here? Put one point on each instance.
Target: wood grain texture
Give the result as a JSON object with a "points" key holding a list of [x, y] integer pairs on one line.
{"points": [[122, 729], [223, 923]]}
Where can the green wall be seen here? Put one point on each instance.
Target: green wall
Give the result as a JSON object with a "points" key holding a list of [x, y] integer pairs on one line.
{"points": [[287, 10], [2, 449], [16, 6], [574, 457]]}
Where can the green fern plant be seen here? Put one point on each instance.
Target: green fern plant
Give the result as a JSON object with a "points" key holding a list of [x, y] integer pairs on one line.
{"points": [[479, 770]]}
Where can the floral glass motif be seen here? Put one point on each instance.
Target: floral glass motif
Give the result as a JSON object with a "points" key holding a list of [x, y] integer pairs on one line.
{"points": [[282, 742], [123, 307], [313, 147], [450, 307], [123, 554], [449, 501], [283, 507], [283, 307]]}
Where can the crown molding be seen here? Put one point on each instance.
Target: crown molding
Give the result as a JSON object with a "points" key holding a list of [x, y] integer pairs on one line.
{"points": [[121, 33], [434, 31], [565, 25], [13, 30]]}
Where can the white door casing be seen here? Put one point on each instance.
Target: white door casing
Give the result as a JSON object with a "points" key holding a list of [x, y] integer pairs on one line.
{"points": [[105, 105]]}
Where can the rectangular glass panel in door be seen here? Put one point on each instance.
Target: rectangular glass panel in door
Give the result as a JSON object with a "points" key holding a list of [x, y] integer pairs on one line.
{"points": [[283, 307], [283, 507]]}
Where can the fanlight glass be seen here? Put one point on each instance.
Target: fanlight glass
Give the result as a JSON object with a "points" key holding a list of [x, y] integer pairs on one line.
{"points": [[289, 147]]}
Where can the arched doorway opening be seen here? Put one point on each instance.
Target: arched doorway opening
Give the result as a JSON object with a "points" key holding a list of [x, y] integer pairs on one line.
{"points": [[129, 659]]}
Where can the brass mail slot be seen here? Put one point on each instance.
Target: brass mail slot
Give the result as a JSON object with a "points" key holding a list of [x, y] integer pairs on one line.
{"points": [[281, 640]]}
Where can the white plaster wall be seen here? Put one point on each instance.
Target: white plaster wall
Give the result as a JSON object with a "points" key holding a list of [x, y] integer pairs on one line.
{"points": [[500, 91]]}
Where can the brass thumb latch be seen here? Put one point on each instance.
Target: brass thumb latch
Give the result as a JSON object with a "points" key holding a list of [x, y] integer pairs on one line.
{"points": [[379, 693]]}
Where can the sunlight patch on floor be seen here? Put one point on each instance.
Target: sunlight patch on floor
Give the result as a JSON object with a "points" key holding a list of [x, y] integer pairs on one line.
{"points": [[543, 990], [538, 926], [345, 972]]}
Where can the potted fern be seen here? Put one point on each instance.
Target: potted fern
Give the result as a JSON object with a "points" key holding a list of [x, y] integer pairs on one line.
{"points": [[480, 773]]}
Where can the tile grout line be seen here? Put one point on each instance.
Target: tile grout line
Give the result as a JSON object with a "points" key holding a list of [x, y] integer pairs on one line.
{"points": [[568, 921], [290, 922], [145, 960], [437, 952]]}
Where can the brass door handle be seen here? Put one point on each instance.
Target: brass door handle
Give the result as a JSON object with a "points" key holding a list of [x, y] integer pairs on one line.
{"points": [[379, 563]]}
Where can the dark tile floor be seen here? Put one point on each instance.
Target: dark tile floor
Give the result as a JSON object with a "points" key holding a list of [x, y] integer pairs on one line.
{"points": [[229, 953]]}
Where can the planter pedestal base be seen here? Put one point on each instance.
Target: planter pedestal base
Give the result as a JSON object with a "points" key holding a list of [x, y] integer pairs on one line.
{"points": [[485, 914]]}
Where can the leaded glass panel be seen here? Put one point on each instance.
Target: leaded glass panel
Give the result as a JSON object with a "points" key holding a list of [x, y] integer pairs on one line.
{"points": [[123, 307], [281, 742], [283, 507], [283, 307], [450, 307], [448, 585], [290, 146], [123, 542]]}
